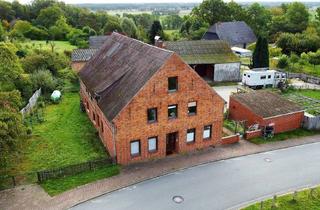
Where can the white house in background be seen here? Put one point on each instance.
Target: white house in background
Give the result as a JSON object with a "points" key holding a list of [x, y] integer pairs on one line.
{"points": [[259, 78], [241, 52]]}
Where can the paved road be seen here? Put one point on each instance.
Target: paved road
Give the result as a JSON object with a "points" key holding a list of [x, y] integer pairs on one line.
{"points": [[225, 91], [221, 185]]}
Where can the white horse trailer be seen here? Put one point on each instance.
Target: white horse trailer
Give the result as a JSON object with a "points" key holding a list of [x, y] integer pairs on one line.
{"points": [[260, 78]]}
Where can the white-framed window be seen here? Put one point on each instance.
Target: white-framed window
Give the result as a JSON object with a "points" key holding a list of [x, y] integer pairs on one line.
{"points": [[207, 131], [192, 108], [172, 111], [191, 135], [152, 144], [135, 148]]}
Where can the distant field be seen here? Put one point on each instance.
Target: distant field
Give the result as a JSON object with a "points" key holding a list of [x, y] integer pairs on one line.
{"points": [[60, 46], [136, 12]]}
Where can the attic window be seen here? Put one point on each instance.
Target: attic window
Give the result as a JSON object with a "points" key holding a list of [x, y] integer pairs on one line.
{"points": [[172, 84]]}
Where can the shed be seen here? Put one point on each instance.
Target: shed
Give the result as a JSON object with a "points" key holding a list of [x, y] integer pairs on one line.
{"points": [[236, 33], [265, 108], [213, 60]]}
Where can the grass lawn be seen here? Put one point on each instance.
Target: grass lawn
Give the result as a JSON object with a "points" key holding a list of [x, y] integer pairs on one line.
{"points": [[65, 137], [284, 136], [309, 93], [60, 46], [56, 186], [303, 201]]}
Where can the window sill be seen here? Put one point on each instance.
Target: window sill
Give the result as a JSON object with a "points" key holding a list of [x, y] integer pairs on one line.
{"points": [[172, 118], [192, 114], [135, 155], [152, 122], [172, 91], [191, 142], [153, 151], [207, 139]]}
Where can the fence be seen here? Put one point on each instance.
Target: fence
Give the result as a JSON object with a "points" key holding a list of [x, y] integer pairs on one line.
{"points": [[31, 104], [304, 77], [9, 181]]}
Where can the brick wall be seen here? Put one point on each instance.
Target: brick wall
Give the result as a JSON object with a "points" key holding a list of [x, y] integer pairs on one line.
{"points": [[283, 123], [103, 126], [77, 66], [252, 134], [131, 123], [230, 139]]}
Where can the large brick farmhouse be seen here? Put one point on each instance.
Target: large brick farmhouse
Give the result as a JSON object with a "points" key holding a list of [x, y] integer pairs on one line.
{"points": [[146, 102], [266, 108]]}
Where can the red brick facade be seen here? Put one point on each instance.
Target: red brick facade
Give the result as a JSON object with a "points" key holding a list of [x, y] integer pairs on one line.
{"points": [[77, 65], [282, 123], [230, 139], [131, 123]]}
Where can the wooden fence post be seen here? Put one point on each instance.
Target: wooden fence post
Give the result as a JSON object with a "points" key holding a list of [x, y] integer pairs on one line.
{"points": [[274, 202], [13, 181]]}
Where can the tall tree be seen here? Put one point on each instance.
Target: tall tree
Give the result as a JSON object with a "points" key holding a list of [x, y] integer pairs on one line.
{"points": [[297, 16], [2, 32], [156, 30], [261, 53], [318, 13], [10, 67], [129, 27], [260, 19], [212, 11], [49, 16]]}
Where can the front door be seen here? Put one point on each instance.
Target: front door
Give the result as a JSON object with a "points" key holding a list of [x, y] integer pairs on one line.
{"points": [[171, 143]]}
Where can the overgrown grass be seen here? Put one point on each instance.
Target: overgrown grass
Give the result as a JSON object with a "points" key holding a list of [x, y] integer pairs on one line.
{"points": [[59, 46], [298, 133], [303, 200], [65, 137], [232, 126], [56, 186]]}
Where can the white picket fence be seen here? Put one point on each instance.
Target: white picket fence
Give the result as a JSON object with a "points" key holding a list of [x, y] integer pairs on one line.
{"points": [[32, 102]]}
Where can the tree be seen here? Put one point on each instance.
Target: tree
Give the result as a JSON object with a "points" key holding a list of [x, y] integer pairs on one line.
{"points": [[129, 27], [10, 67], [2, 32], [237, 12], [6, 12], [314, 58], [43, 79], [11, 126], [283, 62], [172, 22], [112, 25], [60, 29], [318, 13], [49, 16], [20, 29], [212, 11], [156, 30], [297, 16], [261, 53], [260, 19]]}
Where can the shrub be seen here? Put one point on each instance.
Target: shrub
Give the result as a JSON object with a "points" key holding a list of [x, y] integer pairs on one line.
{"points": [[283, 62], [43, 79]]}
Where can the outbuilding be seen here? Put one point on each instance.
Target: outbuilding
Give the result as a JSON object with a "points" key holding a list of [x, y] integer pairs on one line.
{"points": [[265, 108]]}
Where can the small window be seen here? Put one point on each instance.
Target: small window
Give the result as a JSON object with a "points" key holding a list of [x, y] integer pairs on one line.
{"points": [[172, 111], [269, 76], [191, 134], [263, 77], [207, 131], [172, 84], [135, 148], [152, 115], [244, 75], [248, 75], [152, 144], [192, 108]]}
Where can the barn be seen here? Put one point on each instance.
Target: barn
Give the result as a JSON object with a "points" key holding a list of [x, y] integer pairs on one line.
{"points": [[213, 60], [266, 108], [236, 33]]}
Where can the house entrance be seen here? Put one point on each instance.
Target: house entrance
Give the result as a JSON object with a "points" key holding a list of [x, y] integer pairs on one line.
{"points": [[171, 143]]}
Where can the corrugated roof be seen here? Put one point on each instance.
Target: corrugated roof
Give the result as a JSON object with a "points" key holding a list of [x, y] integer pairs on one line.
{"points": [[96, 42], [203, 51], [119, 70], [266, 103], [236, 32], [82, 54]]}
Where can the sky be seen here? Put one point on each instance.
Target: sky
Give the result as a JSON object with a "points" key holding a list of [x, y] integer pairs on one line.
{"points": [[154, 1]]}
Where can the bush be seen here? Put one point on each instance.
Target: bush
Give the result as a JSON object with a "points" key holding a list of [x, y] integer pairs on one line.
{"points": [[283, 62], [43, 79]]}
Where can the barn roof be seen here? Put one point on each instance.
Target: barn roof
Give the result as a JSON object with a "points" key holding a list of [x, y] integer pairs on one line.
{"points": [[203, 51], [266, 103], [95, 42], [119, 70], [82, 54], [236, 32]]}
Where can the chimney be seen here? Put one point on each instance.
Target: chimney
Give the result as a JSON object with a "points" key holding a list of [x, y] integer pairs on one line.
{"points": [[158, 42]]}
